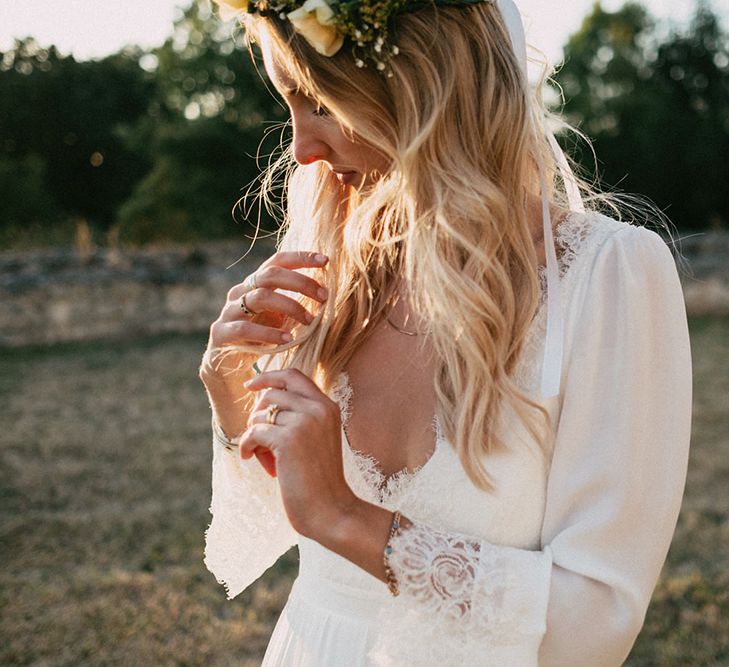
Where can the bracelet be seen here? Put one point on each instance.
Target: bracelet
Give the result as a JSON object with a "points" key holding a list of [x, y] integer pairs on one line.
{"points": [[222, 438], [390, 578]]}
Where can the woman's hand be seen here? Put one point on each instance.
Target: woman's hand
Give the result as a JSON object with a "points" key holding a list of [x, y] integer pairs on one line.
{"points": [[271, 311], [305, 438]]}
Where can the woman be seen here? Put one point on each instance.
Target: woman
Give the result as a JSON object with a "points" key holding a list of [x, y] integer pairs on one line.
{"points": [[477, 434]]}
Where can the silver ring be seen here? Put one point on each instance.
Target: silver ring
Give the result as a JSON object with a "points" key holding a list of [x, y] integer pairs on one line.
{"points": [[272, 410], [246, 310]]}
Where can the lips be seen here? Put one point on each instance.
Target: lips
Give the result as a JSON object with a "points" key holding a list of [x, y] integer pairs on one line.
{"points": [[345, 177]]}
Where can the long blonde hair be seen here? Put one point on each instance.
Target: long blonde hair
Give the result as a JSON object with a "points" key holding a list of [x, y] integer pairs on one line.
{"points": [[450, 218]]}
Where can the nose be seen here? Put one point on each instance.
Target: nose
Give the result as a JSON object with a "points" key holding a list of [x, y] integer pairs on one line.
{"points": [[307, 159], [309, 146]]}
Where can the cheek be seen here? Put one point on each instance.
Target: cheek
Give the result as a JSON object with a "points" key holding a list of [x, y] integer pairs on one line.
{"points": [[375, 160], [357, 154], [365, 157]]}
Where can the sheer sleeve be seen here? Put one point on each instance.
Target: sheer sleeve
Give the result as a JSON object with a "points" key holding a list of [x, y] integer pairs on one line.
{"points": [[614, 491], [249, 529]]}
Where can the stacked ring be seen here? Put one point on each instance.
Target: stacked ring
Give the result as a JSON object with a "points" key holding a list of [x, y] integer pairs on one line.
{"points": [[272, 411]]}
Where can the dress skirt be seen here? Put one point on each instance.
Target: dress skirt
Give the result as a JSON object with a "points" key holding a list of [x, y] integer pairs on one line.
{"points": [[325, 624]]}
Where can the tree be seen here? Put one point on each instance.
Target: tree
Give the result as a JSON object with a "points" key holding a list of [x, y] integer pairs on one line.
{"points": [[67, 118], [212, 105], [161, 142], [655, 110]]}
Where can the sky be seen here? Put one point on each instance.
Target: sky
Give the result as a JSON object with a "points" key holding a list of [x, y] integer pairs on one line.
{"points": [[95, 28]]}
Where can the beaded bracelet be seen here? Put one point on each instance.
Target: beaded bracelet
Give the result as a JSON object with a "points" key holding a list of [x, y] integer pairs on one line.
{"points": [[389, 574]]}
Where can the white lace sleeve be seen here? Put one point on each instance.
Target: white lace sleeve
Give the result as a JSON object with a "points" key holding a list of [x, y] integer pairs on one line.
{"points": [[249, 529], [614, 492]]}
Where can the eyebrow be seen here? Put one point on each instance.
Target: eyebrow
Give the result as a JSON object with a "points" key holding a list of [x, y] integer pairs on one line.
{"points": [[293, 90]]}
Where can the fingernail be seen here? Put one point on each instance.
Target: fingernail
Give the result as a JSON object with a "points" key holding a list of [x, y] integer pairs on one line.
{"points": [[286, 337], [321, 258], [322, 293]]}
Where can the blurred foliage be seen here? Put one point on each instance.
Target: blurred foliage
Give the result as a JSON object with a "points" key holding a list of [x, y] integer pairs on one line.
{"points": [[656, 109], [61, 149], [213, 102], [156, 145]]}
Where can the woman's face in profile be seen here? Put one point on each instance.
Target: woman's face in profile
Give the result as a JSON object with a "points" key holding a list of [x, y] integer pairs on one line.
{"points": [[318, 136]]}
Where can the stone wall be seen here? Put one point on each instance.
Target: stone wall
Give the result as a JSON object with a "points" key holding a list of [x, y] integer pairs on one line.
{"points": [[55, 295]]}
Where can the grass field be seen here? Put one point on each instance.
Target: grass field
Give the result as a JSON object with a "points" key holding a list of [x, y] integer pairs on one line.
{"points": [[105, 485]]}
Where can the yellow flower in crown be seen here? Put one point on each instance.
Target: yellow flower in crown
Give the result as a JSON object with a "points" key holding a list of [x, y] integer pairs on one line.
{"points": [[326, 24], [231, 8], [314, 21]]}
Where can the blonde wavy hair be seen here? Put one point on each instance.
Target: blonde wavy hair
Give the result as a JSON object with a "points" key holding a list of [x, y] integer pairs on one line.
{"points": [[449, 218]]}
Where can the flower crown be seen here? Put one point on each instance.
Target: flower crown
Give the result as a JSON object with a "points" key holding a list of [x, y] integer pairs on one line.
{"points": [[325, 24]]}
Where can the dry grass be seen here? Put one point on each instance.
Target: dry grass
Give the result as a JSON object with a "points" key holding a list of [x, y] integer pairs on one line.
{"points": [[104, 483]]}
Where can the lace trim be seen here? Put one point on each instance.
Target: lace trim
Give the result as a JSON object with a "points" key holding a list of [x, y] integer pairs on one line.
{"points": [[381, 487], [438, 568], [574, 237], [472, 586], [249, 525]]}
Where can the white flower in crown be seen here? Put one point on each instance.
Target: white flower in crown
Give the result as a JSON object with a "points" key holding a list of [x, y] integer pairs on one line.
{"points": [[314, 21], [231, 8]]}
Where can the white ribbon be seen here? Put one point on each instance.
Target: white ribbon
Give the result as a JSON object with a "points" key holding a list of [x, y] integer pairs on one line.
{"points": [[554, 340]]}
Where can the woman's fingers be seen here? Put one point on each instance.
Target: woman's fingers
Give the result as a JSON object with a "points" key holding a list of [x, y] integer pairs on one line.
{"points": [[261, 438], [246, 331], [279, 277], [296, 259], [234, 326], [287, 401], [284, 417], [265, 300], [289, 379]]}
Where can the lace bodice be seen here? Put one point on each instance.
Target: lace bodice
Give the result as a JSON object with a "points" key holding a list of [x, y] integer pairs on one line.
{"points": [[555, 566], [376, 485], [570, 235]]}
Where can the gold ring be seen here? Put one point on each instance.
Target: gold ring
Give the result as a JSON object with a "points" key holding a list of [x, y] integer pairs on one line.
{"points": [[246, 310], [272, 410]]}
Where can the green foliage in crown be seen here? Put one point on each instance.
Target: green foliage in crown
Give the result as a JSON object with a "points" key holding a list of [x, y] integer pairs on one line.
{"points": [[325, 24]]}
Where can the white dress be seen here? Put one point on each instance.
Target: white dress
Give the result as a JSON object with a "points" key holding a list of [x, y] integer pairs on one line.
{"points": [[556, 567]]}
